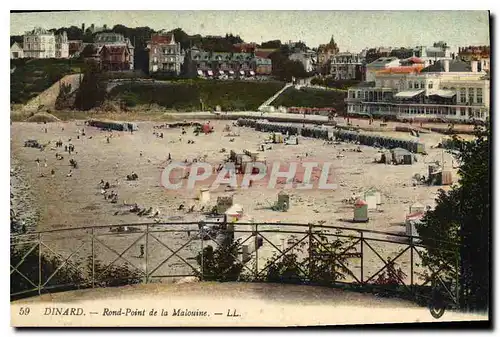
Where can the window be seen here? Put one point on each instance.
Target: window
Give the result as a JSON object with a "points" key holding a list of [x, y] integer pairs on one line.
{"points": [[479, 95], [463, 95], [430, 85], [462, 111], [155, 59], [154, 51], [471, 95], [422, 85], [410, 85]]}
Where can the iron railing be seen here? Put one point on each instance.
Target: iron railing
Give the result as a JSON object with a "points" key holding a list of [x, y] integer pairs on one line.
{"points": [[361, 259]]}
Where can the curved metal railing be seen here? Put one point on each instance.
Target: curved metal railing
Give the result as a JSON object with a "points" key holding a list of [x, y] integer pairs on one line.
{"points": [[110, 255]]}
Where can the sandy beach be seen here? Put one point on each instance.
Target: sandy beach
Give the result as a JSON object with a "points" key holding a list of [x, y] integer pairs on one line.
{"points": [[74, 202]]}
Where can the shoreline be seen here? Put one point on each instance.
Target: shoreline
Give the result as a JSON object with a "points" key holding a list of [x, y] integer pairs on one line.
{"points": [[24, 202]]}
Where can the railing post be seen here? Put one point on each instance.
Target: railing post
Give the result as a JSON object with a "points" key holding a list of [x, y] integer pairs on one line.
{"points": [[362, 241], [147, 249], [411, 264], [457, 280], [39, 263], [256, 245], [202, 255], [310, 253], [93, 258]]}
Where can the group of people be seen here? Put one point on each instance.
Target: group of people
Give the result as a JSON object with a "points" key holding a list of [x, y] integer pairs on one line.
{"points": [[105, 186]]}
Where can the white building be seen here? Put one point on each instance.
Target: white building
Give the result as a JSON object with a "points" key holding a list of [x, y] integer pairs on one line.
{"points": [[346, 66], [16, 51], [62, 46], [165, 54], [308, 59], [378, 65], [39, 43], [447, 90], [116, 40], [431, 55]]}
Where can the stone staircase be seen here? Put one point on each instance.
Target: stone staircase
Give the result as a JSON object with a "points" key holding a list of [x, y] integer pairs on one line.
{"points": [[47, 98], [271, 99]]}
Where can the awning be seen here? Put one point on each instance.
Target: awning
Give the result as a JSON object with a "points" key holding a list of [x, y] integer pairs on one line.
{"points": [[444, 93], [408, 94], [210, 73], [221, 72], [252, 73], [200, 72], [242, 72]]}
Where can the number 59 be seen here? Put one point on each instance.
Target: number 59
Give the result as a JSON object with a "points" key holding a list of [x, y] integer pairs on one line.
{"points": [[24, 311]]}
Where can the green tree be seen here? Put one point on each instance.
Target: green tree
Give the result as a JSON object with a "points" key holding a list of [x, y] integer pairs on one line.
{"points": [[221, 264], [271, 44], [462, 217], [92, 90]]}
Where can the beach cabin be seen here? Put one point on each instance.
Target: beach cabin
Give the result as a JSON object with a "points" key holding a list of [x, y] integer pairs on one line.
{"points": [[360, 211], [234, 213], [283, 201], [416, 208], [204, 196], [373, 198], [412, 220]]}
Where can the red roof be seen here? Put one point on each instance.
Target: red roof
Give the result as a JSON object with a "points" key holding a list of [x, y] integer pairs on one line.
{"points": [[360, 202], [402, 70], [263, 53], [161, 39], [415, 59], [415, 216], [116, 50]]}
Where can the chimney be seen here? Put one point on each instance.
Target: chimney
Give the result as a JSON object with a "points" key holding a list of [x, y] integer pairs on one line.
{"points": [[473, 65], [446, 66]]}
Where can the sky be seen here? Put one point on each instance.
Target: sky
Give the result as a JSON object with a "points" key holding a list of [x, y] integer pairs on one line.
{"points": [[352, 30]]}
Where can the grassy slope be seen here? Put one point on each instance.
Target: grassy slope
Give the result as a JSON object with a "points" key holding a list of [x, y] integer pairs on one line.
{"points": [[32, 77], [307, 97], [185, 95]]}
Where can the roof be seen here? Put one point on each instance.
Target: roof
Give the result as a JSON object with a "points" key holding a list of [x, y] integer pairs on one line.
{"points": [[115, 50], [400, 151], [402, 70], [360, 202], [382, 61], [162, 38], [242, 56], [39, 31], [106, 38], [455, 66], [435, 52], [17, 44], [264, 53], [408, 94], [444, 93], [414, 59], [221, 56], [261, 60], [365, 85], [415, 216]]}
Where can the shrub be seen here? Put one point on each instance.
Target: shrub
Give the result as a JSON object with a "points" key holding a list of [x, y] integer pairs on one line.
{"points": [[65, 277], [220, 264]]}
